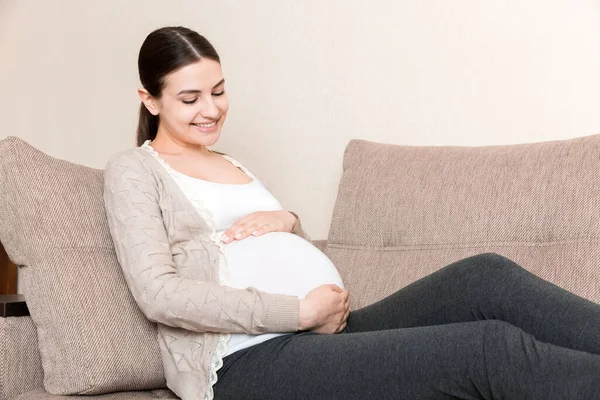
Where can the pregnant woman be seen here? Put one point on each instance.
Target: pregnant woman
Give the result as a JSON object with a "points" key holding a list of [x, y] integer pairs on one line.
{"points": [[248, 308]]}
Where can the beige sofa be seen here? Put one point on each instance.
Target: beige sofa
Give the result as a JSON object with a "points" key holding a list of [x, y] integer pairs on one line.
{"points": [[401, 213]]}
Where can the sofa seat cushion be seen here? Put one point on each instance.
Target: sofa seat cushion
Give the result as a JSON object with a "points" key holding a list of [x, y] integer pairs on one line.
{"points": [[91, 334], [141, 395], [20, 365], [403, 212]]}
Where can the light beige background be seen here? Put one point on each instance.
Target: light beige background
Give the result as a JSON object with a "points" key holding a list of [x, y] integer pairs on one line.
{"points": [[304, 77]]}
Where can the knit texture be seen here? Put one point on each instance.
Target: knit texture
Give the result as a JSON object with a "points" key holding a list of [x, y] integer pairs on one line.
{"points": [[171, 264]]}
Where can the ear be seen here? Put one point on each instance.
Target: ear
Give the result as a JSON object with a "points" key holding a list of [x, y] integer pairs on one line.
{"points": [[149, 101]]}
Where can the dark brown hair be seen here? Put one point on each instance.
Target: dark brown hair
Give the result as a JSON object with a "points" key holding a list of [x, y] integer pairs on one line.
{"points": [[164, 51]]}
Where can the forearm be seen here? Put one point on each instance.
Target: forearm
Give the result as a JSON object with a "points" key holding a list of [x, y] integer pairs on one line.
{"points": [[163, 294]]}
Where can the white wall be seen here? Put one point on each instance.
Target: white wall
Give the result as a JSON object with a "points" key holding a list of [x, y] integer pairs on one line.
{"points": [[304, 77]]}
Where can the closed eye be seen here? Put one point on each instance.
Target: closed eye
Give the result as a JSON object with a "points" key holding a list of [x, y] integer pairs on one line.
{"points": [[193, 101]]}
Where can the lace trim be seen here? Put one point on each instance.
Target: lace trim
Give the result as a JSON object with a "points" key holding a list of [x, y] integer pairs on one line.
{"points": [[224, 274]]}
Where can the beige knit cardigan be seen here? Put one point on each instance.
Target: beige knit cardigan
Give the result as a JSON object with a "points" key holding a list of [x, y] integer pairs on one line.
{"points": [[174, 266]]}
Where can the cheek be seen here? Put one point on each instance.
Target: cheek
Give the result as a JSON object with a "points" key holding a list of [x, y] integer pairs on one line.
{"points": [[223, 104], [186, 114]]}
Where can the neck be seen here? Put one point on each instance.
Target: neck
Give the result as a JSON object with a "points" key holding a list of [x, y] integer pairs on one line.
{"points": [[167, 144]]}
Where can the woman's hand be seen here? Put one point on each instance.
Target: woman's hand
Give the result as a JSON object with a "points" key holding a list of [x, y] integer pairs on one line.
{"points": [[325, 309], [258, 223]]}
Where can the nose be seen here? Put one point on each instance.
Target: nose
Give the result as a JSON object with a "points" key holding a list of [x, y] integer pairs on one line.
{"points": [[210, 110]]}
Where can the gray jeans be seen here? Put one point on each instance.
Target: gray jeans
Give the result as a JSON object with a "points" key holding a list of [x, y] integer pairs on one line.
{"points": [[480, 328]]}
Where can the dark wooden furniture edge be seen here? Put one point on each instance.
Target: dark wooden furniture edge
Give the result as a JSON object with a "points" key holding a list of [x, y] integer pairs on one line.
{"points": [[8, 274], [13, 305]]}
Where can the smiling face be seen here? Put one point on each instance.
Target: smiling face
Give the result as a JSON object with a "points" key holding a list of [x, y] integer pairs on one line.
{"points": [[192, 107]]}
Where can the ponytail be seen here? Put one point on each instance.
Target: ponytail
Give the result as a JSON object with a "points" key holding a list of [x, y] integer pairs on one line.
{"points": [[147, 125]]}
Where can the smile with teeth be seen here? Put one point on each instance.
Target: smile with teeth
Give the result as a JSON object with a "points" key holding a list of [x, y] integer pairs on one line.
{"points": [[206, 125]]}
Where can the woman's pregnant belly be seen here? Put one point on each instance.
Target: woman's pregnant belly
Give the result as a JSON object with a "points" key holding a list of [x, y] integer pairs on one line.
{"points": [[279, 262], [276, 262]]}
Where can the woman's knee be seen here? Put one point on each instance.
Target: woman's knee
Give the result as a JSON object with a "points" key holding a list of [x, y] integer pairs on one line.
{"points": [[495, 328], [489, 264], [501, 339]]}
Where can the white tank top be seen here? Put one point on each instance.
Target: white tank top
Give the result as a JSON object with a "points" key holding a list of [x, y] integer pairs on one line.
{"points": [[276, 262]]}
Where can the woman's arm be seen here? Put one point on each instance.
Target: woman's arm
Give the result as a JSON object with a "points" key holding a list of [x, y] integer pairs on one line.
{"points": [[297, 229], [138, 231]]}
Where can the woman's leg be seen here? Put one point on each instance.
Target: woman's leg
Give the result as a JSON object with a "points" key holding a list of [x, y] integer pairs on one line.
{"points": [[473, 360], [483, 287]]}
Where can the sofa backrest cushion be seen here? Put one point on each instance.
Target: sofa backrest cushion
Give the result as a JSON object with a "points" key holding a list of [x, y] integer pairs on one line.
{"points": [[403, 212], [92, 336]]}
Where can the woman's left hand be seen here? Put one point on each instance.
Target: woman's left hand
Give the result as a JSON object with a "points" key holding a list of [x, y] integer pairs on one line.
{"points": [[258, 223]]}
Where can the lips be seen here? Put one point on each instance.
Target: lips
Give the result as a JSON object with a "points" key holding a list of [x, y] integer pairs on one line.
{"points": [[205, 125]]}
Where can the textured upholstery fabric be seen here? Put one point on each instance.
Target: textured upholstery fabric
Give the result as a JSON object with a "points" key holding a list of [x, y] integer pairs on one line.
{"points": [[20, 365], [92, 336], [403, 212], [320, 244], [140, 395]]}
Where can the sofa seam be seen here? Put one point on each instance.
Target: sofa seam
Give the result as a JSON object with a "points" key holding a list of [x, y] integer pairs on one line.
{"points": [[436, 246]]}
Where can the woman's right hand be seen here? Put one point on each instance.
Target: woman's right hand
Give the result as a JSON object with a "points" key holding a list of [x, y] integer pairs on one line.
{"points": [[325, 309]]}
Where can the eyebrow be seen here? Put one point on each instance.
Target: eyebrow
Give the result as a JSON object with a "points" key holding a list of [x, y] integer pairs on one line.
{"points": [[185, 91]]}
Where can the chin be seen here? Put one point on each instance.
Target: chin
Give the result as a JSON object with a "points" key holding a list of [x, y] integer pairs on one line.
{"points": [[204, 139], [213, 137], [209, 141]]}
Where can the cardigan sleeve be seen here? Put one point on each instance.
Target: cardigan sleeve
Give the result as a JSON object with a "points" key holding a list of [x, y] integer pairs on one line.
{"points": [[297, 229], [131, 197]]}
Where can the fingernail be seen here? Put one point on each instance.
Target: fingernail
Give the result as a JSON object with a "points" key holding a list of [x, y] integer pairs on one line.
{"points": [[238, 235], [224, 238]]}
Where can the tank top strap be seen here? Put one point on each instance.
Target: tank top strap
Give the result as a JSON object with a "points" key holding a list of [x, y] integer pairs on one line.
{"points": [[239, 165]]}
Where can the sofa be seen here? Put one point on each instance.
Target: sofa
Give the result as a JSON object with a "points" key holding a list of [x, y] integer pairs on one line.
{"points": [[401, 213]]}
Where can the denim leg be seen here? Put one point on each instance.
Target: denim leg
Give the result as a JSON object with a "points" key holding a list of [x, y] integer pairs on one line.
{"points": [[472, 360], [482, 287]]}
